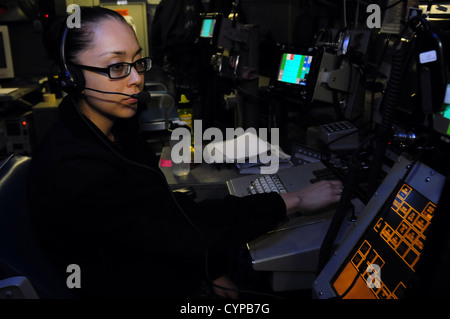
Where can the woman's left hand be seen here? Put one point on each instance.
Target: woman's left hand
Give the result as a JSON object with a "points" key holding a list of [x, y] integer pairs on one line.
{"points": [[225, 282]]}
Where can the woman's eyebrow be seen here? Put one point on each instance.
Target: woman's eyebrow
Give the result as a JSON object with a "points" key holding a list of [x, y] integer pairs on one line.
{"points": [[120, 52], [138, 52], [112, 53]]}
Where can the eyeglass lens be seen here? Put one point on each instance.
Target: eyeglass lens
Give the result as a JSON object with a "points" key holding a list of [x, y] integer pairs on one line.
{"points": [[119, 70]]}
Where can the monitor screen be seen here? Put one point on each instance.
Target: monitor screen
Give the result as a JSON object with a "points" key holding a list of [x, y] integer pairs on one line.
{"points": [[2, 52], [6, 62], [294, 68], [208, 25], [442, 119]]}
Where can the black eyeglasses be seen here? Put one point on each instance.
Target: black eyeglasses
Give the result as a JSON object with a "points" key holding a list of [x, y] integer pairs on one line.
{"points": [[120, 70]]}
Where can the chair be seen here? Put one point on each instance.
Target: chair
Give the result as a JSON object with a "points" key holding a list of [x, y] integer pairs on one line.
{"points": [[25, 272], [156, 119]]}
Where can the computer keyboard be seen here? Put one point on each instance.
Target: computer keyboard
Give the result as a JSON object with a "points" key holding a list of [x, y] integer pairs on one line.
{"points": [[295, 178], [285, 180], [327, 174], [266, 184], [275, 183]]}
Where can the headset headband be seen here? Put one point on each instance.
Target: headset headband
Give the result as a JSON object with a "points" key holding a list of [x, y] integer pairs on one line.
{"points": [[69, 81]]}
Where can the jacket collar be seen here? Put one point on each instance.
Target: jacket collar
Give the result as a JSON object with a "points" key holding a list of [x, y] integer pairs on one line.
{"points": [[79, 125], [126, 132]]}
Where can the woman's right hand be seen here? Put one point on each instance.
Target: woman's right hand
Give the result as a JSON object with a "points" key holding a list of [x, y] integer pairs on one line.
{"points": [[313, 197]]}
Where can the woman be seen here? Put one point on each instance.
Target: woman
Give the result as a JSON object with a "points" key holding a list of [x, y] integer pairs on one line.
{"points": [[99, 200]]}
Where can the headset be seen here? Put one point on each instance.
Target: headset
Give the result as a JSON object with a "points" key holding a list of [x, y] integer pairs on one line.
{"points": [[72, 80]]}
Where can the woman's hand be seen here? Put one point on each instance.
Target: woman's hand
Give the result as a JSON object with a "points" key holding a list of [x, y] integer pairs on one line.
{"points": [[313, 197], [225, 282]]}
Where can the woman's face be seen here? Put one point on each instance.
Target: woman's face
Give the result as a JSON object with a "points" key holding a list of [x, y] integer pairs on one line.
{"points": [[112, 42]]}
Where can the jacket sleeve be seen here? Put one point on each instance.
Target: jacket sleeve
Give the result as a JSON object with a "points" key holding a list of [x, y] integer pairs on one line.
{"points": [[236, 220], [105, 206], [231, 222]]}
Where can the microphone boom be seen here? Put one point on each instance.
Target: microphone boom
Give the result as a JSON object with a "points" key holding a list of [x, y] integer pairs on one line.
{"points": [[142, 97]]}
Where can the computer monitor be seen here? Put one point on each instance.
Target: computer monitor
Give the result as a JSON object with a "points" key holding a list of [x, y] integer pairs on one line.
{"points": [[6, 62], [441, 121], [296, 72], [208, 25], [210, 28]]}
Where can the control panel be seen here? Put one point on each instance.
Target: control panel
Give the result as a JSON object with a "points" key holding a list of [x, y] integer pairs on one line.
{"points": [[380, 257], [339, 135]]}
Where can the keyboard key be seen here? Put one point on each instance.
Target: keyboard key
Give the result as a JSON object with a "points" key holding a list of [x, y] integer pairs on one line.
{"points": [[266, 184]]}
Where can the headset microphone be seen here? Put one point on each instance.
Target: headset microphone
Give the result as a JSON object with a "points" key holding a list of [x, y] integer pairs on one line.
{"points": [[142, 97]]}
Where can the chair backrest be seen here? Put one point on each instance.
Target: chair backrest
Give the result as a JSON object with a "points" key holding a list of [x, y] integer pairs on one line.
{"points": [[20, 254], [158, 118]]}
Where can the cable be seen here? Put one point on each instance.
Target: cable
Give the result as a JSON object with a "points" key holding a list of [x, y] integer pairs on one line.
{"points": [[390, 103], [400, 56], [250, 292], [158, 172], [349, 184], [345, 13], [377, 72], [181, 210]]}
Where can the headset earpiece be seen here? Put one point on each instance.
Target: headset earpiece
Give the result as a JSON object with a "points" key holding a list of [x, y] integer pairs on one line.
{"points": [[77, 78], [71, 79], [65, 80]]}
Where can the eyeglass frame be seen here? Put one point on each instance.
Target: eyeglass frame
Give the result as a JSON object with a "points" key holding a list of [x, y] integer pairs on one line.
{"points": [[107, 69]]}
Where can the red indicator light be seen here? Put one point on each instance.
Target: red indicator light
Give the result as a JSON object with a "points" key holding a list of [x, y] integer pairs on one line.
{"points": [[24, 123]]}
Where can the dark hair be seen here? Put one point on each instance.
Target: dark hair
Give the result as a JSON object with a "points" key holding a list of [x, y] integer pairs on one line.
{"points": [[80, 39]]}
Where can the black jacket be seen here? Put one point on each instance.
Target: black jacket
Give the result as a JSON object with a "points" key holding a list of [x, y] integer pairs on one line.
{"points": [[107, 208]]}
